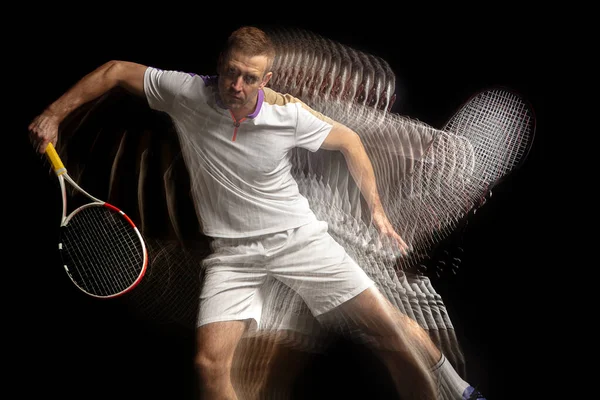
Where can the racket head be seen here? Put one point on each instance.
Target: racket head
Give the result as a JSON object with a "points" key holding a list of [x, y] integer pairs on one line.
{"points": [[102, 250], [500, 115]]}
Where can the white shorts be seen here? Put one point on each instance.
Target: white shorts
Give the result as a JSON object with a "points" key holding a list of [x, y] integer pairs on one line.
{"points": [[306, 259]]}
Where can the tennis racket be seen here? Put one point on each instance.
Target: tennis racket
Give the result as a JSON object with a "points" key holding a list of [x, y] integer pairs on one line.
{"points": [[501, 125], [102, 250]]}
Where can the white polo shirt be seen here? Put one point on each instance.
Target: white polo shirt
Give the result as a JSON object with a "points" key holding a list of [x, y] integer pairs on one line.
{"points": [[241, 177]]}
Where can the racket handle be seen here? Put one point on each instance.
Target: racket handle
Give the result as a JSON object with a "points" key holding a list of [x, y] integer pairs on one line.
{"points": [[52, 155]]}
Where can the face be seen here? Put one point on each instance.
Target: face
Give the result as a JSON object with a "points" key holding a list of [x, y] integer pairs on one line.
{"points": [[240, 79]]}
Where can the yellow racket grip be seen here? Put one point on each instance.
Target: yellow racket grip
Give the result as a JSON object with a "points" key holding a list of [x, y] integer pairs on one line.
{"points": [[52, 155]]}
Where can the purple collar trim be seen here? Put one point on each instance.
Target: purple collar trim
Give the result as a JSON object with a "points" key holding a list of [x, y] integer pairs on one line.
{"points": [[259, 103]]}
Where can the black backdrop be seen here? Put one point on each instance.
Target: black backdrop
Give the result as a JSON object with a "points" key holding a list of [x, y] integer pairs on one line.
{"points": [[69, 346]]}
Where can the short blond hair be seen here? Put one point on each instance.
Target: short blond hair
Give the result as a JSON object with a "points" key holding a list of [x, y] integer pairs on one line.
{"points": [[251, 41]]}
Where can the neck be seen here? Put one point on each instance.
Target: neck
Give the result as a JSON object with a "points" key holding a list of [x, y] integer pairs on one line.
{"points": [[245, 110]]}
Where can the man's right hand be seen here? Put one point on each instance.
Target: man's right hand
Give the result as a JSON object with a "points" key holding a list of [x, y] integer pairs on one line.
{"points": [[43, 130]]}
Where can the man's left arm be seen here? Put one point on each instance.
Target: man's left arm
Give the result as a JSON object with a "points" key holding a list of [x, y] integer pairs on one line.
{"points": [[347, 141]]}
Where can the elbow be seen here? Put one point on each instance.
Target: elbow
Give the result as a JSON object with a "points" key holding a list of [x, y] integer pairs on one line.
{"points": [[113, 71], [351, 144], [110, 66]]}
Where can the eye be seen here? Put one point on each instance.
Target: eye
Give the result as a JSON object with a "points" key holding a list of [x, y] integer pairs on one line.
{"points": [[250, 80]]}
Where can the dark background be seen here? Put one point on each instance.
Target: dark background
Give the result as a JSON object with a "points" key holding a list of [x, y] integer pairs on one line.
{"points": [[70, 346]]}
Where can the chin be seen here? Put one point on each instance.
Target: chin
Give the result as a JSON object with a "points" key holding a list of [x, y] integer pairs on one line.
{"points": [[233, 105]]}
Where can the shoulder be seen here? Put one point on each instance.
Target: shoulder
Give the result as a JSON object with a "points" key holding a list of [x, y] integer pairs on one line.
{"points": [[183, 77], [285, 101], [275, 98]]}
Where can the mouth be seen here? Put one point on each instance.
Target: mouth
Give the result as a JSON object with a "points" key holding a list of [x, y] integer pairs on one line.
{"points": [[234, 96]]}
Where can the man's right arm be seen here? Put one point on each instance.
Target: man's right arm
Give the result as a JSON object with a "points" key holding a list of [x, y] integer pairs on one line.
{"points": [[44, 128]]}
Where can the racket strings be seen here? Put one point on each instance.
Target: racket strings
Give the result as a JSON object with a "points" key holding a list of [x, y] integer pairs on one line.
{"points": [[500, 124], [102, 251]]}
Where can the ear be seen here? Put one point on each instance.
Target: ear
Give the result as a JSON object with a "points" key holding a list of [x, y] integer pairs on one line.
{"points": [[266, 79]]}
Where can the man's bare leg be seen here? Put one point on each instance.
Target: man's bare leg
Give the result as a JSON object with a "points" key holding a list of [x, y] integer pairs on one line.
{"points": [[403, 346], [267, 364], [216, 343]]}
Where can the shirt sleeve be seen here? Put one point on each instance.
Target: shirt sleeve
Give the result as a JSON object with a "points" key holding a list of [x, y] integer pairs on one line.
{"points": [[162, 87], [312, 128]]}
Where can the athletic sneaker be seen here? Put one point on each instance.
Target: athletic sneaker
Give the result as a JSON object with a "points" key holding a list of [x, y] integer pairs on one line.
{"points": [[471, 393]]}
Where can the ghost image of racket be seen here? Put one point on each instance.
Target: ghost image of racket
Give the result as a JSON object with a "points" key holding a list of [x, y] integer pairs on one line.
{"points": [[102, 250]]}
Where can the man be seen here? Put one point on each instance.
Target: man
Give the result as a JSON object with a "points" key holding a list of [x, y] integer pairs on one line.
{"points": [[236, 135]]}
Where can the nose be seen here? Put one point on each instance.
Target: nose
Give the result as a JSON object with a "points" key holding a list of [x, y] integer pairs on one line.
{"points": [[237, 84]]}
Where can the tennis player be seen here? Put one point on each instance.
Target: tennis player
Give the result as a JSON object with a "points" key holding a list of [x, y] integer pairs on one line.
{"points": [[236, 136]]}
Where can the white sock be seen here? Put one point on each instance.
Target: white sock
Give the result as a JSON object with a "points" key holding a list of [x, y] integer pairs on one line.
{"points": [[451, 385]]}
